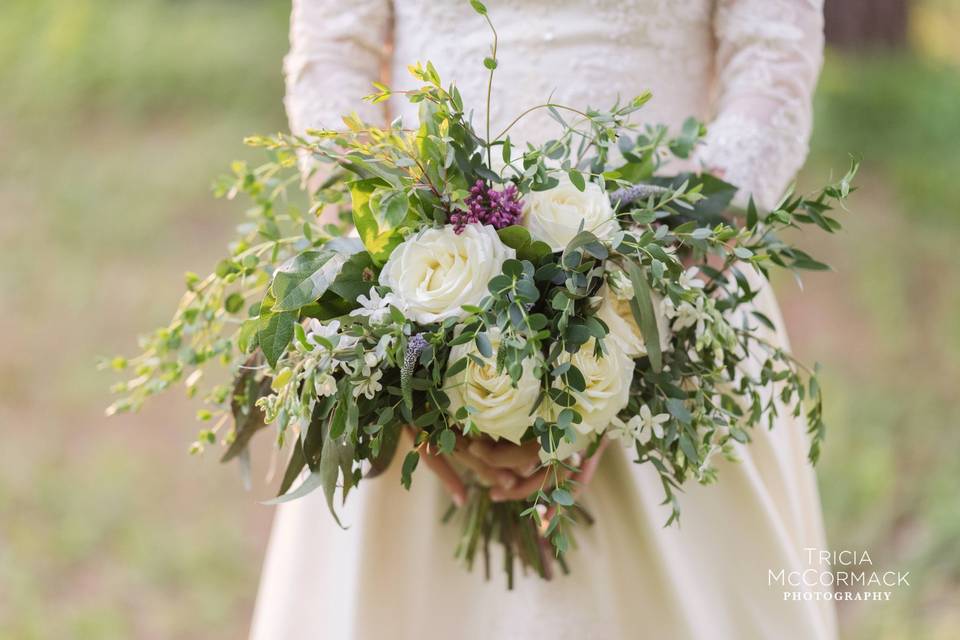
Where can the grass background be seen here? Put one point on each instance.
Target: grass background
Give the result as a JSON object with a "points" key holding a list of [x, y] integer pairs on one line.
{"points": [[115, 117]]}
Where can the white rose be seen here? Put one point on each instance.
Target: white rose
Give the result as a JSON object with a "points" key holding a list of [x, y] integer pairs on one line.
{"points": [[607, 386], [500, 410], [554, 215], [616, 314], [434, 273]]}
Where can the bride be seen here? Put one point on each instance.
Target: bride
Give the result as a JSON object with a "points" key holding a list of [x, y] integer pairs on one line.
{"points": [[747, 68]]}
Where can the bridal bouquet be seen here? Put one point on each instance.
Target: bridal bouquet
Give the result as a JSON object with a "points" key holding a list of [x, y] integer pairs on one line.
{"points": [[558, 293]]}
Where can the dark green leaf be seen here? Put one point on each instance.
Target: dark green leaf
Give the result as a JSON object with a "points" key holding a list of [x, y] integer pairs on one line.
{"points": [[274, 333], [642, 307], [483, 345], [294, 467], [409, 466]]}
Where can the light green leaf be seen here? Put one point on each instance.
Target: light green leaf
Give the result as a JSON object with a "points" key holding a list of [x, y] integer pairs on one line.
{"points": [[375, 217], [562, 497], [304, 278], [313, 482], [577, 179]]}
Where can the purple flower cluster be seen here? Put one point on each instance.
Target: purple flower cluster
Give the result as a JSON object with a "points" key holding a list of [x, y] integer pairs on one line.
{"points": [[486, 205]]}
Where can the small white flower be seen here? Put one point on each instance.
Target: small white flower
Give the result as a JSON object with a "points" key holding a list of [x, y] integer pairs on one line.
{"points": [[620, 284], [689, 279], [370, 360], [688, 315], [649, 422], [316, 329], [325, 385], [376, 307], [625, 432], [386, 341], [369, 385]]}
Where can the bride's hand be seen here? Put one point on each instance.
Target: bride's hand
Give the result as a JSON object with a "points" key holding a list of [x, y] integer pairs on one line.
{"points": [[537, 479], [500, 474]]}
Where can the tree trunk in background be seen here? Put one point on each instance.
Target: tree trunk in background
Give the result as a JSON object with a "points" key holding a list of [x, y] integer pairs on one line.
{"points": [[857, 24]]}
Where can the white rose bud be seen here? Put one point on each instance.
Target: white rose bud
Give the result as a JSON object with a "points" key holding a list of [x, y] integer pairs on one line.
{"points": [[499, 409], [434, 273], [624, 332], [607, 386], [554, 215]]}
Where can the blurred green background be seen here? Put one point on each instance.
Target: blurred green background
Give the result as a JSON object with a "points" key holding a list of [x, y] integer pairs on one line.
{"points": [[115, 116]]}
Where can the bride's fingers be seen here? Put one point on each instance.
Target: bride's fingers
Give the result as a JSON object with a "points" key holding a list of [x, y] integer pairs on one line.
{"points": [[523, 459], [522, 489], [490, 476]]}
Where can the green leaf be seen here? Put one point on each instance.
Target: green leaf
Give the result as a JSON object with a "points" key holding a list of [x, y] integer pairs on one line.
{"points": [[577, 179], [678, 410], [752, 215], [587, 242], [519, 239], [686, 445], [448, 441], [456, 367], [294, 467], [233, 303], [392, 206], [479, 7], [490, 63], [388, 449], [304, 278], [274, 333], [409, 466], [337, 456], [643, 312], [483, 345], [313, 482], [562, 497], [376, 215]]}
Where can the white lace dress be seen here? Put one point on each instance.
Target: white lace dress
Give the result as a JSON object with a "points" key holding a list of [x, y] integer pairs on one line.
{"points": [[747, 67]]}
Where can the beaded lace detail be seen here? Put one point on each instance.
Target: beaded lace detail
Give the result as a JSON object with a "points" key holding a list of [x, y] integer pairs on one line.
{"points": [[746, 67]]}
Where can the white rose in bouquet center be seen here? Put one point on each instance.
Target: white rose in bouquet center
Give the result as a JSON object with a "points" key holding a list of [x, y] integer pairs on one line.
{"points": [[434, 273], [607, 390], [500, 410], [624, 333], [554, 215]]}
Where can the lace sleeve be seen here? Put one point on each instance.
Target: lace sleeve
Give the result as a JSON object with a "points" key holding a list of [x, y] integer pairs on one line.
{"points": [[769, 54], [335, 54]]}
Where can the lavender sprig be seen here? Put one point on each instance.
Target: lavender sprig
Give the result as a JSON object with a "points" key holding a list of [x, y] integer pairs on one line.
{"points": [[415, 347]]}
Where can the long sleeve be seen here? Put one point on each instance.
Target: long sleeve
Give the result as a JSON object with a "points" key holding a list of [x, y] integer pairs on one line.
{"points": [[337, 50], [769, 54]]}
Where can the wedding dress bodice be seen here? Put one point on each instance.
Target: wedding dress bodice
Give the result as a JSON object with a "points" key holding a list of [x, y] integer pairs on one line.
{"points": [[746, 67]]}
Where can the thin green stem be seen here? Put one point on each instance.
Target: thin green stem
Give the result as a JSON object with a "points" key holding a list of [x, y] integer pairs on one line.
{"points": [[490, 88]]}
